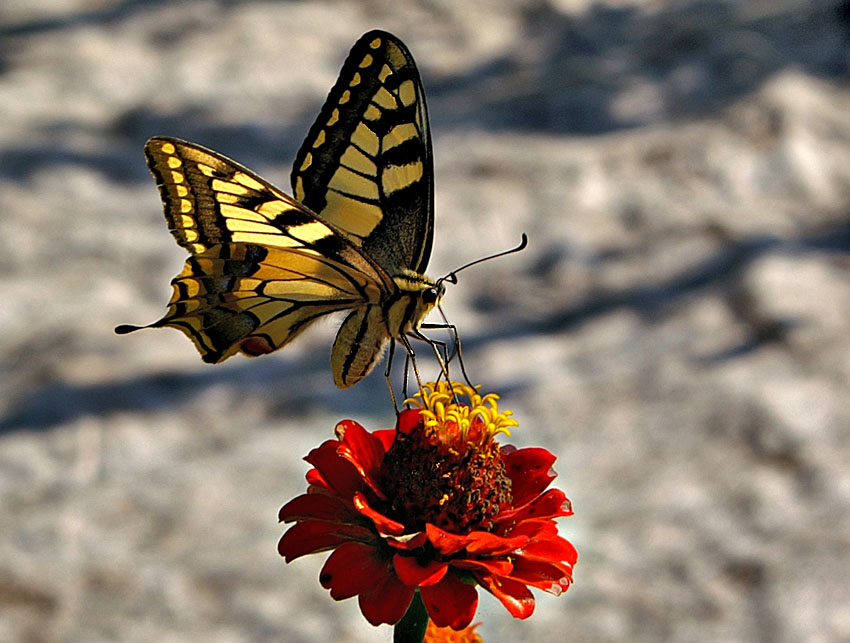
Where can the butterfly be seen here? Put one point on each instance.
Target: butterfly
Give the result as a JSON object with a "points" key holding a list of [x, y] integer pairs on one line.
{"points": [[357, 237]]}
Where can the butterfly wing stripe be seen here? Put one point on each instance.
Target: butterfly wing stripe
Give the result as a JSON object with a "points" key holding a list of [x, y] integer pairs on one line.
{"points": [[400, 312], [318, 268]]}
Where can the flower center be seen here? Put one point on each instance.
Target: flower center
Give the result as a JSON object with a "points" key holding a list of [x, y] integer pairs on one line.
{"points": [[447, 470]]}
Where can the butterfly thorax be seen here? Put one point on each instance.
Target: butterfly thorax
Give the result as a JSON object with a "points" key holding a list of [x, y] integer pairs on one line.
{"points": [[415, 297]]}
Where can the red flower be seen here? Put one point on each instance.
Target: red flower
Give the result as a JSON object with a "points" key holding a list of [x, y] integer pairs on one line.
{"points": [[436, 506]]}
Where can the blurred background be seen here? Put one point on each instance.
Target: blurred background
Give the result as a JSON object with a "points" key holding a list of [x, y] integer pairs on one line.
{"points": [[676, 332]]}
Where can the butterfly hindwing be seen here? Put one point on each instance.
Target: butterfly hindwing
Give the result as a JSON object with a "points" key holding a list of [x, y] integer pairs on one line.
{"points": [[357, 346], [256, 299], [263, 266], [366, 165]]}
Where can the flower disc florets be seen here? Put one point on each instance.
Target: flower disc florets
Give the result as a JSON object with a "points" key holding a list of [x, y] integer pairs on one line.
{"points": [[447, 470]]}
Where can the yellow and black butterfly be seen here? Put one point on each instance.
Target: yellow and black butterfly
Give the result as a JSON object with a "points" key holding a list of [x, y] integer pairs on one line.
{"points": [[357, 236]]}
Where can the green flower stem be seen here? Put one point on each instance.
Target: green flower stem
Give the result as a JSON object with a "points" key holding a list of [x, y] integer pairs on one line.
{"points": [[411, 628]]}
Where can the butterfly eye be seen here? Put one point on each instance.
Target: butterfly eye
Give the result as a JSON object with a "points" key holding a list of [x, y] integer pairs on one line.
{"points": [[430, 296]]}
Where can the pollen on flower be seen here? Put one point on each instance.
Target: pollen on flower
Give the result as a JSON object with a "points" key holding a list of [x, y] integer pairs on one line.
{"points": [[442, 405]]}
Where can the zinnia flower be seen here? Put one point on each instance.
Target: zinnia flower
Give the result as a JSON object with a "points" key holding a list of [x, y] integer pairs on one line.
{"points": [[436, 506]]}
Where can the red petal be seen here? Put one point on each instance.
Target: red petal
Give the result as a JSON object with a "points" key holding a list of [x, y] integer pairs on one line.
{"points": [[530, 471], [363, 450], [408, 419], [410, 572], [483, 543], [451, 602], [486, 566], [444, 541], [387, 601], [336, 473], [351, 569], [507, 449], [515, 596], [317, 506], [385, 526], [557, 550], [386, 436], [312, 536], [549, 577], [534, 529], [315, 479], [407, 542], [475, 542], [552, 504]]}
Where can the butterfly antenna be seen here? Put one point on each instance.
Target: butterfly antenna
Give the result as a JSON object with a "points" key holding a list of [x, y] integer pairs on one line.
{"points": [[452, 276]]}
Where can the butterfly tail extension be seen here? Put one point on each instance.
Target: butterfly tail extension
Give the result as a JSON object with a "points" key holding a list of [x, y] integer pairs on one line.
{"points": [[126, 329], [214, 342]]}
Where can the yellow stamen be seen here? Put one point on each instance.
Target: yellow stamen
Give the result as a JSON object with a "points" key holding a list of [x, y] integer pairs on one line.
{"points": [[439, 409]]}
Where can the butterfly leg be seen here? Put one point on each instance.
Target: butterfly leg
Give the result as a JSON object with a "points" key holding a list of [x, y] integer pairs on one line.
{"points": [[457, 350], [406, 377], [445, 358], [436, 346], [456, 347], [409, 358], [387, 377], [411, 355]]}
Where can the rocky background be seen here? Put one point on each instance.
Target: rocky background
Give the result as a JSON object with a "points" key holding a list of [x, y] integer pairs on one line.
{"points": [[676, 331]]}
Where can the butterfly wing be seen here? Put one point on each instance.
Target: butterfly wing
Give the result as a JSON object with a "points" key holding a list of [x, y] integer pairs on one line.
{"points": [[210, 200], [256, 299], [263, 265], [366, 165]]}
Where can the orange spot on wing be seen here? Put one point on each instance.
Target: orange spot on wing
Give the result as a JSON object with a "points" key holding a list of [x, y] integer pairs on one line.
{"points": [[254, 346]]}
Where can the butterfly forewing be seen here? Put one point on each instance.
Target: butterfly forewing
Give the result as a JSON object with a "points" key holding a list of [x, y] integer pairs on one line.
{"points": [[366, 164], [210, 199]]}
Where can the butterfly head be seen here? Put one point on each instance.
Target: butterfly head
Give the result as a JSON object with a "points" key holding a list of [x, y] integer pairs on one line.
{"points": [[417, 296], [432, 295]]}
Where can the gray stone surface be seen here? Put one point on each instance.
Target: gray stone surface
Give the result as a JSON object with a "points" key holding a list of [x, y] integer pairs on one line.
{"points": [[676, 331]]}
